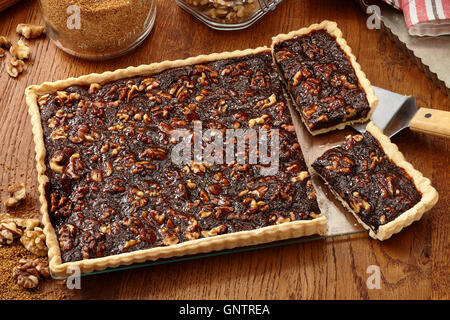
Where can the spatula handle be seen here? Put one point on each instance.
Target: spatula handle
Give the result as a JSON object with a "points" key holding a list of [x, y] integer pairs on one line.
{"points": [[431, 121]]}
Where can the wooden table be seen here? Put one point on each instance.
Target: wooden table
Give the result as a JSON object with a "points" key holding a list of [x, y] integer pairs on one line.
{"points": [[413, 264]]}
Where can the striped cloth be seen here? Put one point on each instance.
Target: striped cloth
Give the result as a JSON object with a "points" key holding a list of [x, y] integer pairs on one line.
{"points": [[425, 17]]}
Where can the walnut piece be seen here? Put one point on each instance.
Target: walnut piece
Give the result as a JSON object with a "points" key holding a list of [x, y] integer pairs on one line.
{"points": [[14, 67], [8, 232], [215, 231], [27, 223], [17, 194], [22, 223], [225, 10], [301, 176], [33, 239], [30, 31], [12, 228], [20, 50], [2, 52], [29, 272], [4, 42]]}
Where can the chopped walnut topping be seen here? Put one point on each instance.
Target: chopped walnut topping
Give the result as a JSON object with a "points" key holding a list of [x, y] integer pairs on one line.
{"points": [[215, 231], [150, 83], [193, 230], [204, 214], [259, 120], [350, 112], [198, 168], [60, 133], [191, 185], [244, 192], [30, 31], [57, 160], [215, 189], [323, 117], [267, 102], [281, 220], [357, 205], [301, 176], [204, 196], [299, 75], [169, 238], [130, 243], [94, 87], [259, 192]]}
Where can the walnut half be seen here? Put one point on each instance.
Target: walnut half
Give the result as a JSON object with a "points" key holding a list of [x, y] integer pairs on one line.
{"points": [[17, 194], [20, 50], [14, 67], [29, 272], [30, 31], [33, 239], [8, 232]]}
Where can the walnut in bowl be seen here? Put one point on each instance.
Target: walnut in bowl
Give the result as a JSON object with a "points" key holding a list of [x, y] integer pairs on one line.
{"points": [[228, 14]]}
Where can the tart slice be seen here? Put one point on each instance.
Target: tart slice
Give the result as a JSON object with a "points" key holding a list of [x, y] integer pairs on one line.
{"points": [[372, 179], [323, 78], [113, 189]]}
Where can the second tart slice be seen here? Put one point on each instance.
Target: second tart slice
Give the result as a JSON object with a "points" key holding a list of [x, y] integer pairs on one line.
{"points": [[372, 179], [326, 83]]}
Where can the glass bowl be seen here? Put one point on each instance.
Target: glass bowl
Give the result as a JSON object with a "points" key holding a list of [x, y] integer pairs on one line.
{"points": [[100, 29], [228, 14]]}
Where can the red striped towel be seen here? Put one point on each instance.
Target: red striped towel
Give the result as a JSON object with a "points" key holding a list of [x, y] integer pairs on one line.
{"points": [[425, 17]]}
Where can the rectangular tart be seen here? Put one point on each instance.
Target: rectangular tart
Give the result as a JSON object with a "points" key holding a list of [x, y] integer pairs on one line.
{"points": [[111, 193], [324, 80], [372, 179]]}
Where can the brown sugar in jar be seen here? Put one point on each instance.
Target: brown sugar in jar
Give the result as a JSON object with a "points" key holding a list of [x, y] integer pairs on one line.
{"points": [[98, 29]]}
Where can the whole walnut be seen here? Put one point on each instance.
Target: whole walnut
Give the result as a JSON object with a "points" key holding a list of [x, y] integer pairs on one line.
{"points": [[29, 272], [34, 241], [8, 232]]}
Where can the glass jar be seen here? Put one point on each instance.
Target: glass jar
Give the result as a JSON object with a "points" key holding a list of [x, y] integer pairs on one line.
{"points": [[228, 14], [98, 29]]}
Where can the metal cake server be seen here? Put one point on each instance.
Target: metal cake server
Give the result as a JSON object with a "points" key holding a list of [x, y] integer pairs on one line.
{"points": [[396, 112]]}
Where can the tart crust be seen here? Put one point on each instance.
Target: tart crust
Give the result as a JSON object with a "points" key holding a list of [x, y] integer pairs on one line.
{"points": [[331, 28], [423, 185], [283, 231]]}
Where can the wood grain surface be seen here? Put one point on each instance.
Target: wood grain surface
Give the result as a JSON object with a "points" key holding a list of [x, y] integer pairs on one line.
{"points": [[414, 264]]}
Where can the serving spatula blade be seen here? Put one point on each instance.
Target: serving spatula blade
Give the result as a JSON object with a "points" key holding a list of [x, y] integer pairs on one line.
{"points": [[393, 113]]}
